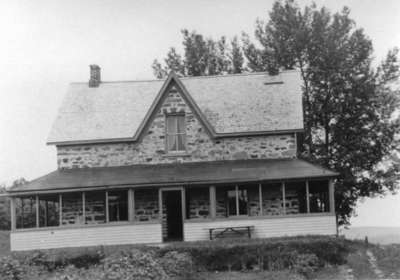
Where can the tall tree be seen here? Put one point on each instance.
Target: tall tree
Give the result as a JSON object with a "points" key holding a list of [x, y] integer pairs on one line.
{"points": [[236, 57], [202, 56], [348, 105]]}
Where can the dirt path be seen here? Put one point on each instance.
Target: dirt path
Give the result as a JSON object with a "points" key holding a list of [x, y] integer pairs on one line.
{"points": [[372, 260], [346, 273]]}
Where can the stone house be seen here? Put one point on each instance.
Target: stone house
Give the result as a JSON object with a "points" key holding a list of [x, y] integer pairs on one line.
{"points": [[175, 159]]}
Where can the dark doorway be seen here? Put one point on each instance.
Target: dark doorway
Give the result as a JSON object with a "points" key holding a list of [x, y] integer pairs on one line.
{"points": [[173, 208]]}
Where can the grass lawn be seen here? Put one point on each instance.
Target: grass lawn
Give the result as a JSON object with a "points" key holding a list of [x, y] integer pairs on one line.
{"points": [[357, 262], [327, 273], [234, 275], [4, 243]]}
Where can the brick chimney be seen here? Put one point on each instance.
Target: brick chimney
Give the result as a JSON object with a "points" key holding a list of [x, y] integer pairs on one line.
{"points": [[95, 78]]}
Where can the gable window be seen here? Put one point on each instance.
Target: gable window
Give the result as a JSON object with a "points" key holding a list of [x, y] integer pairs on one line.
{"points": [[176, 133]]}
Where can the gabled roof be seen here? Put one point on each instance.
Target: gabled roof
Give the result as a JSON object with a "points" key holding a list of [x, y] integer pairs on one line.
{"points": [[242, 104], [172, 81], [234, 171]]}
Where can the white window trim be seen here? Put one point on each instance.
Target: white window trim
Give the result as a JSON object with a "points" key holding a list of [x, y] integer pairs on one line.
{"points": [[177, 134]]}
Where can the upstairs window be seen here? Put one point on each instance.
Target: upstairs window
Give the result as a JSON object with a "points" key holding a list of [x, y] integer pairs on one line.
{"points": [[176, 133]]}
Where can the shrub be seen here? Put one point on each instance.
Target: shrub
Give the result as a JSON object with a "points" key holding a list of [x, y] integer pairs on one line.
{"points": [[73, 273], [177, 264], [50, 262], [305, 264], [271, 254], [85, 260], [39, 258], [133, 265], [10, 269], [300, 254]]}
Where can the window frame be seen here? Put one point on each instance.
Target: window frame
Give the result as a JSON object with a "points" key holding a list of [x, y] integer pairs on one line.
{"points": [[233, 202], [177, 134], [300, 187], [80, 219], [22, 217], [138, 204], [117, 205], [189, 195], [89, 201], [44, 221], [319, 191]]}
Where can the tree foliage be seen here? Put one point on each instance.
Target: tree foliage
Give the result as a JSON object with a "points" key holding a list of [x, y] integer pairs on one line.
{"points": [[4, 210], [5, 218], [202, 56], [349, 106]]}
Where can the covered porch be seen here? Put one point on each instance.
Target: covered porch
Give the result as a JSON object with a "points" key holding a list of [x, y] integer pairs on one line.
{"points": [[152, 204]]}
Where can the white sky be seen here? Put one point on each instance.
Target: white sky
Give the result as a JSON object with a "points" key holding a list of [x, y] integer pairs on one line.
{"points": [[46, 44]]}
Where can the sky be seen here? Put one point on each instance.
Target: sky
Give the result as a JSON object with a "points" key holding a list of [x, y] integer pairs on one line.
{"points": [[46, 44]]}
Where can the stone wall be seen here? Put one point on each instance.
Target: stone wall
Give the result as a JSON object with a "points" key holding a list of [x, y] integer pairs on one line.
{"points": [[146, 205], [95, 208], [150, 149], [72, 210], [197, 203], [272, 200]]}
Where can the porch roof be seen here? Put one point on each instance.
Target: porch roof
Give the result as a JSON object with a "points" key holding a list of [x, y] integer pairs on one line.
{"points": [[176, 174]]}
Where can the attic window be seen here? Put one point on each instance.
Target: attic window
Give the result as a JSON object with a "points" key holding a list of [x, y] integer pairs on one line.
{"points": [[176, 133]]}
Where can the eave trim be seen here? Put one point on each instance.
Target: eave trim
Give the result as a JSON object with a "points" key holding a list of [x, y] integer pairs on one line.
{"points": [[167, 184], [217, 136]]}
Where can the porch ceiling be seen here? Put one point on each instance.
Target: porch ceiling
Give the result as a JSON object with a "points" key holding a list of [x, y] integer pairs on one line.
{"points": [[182, 173]]}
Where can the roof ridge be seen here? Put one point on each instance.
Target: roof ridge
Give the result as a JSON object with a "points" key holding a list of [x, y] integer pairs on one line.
{"points": [[194, 77], [126, 81]]}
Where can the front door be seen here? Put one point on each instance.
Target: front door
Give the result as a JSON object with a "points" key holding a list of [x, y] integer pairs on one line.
{"points": [[173, 224]]}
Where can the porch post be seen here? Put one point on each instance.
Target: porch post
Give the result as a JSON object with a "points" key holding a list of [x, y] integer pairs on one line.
{"points": [[160, 205], [260, 199], [308, 197], [331, 196], [183, 199], [60, 202], [131, 205], [37, 210], [213, 202], [107, 210], [237, 200], [284, 197], [84, 207], [13, 214]]}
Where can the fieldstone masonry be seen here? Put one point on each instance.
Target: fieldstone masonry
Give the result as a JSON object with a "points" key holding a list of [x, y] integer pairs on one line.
{"points": [[198, 203], [146, 205], [72, 211], [95, 212], [272, 200], [200, 147]]}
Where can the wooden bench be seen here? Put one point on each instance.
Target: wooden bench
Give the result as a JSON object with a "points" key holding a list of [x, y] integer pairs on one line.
{"points": [[239, 230]]}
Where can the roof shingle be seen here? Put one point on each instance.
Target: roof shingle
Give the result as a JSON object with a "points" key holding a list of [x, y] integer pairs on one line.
{"points": [[231, 104]]}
